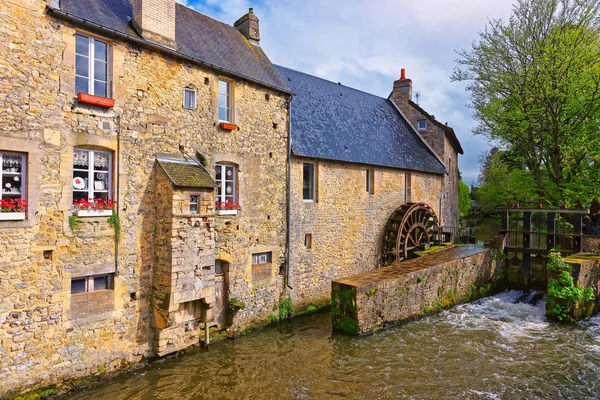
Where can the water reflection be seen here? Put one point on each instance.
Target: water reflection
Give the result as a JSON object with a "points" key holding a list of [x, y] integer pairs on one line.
{"points": [[498, 347]]}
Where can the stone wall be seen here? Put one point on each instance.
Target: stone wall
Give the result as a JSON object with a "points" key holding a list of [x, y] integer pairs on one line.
{"points": [[42, 342], [366, 302], [346, 223]]}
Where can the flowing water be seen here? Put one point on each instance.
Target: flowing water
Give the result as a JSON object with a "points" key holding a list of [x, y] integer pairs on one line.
{"points": [[500, 347]]}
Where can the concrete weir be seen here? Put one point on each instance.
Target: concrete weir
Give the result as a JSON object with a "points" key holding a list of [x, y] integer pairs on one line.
{"points": [[368, 301]]}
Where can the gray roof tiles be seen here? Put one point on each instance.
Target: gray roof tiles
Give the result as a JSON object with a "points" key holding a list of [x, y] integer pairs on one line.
{"points": [[197, 36], [335, 122]]}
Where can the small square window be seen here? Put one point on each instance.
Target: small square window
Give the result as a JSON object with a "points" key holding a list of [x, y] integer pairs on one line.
{"points": [[261, 258], [189, 99], [78, 285], [308, 240], [91, 283], [422, 124], [221, 267], [101, 282], [193, 204]]}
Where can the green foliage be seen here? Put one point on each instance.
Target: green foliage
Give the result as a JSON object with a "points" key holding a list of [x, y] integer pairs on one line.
{"points": [[235, 304], [347, 325], [286, 308], [272, 318], [311, 309], [74, 224], [420, 279], [534, 83], [464, 198], [562, 293], [371, 292], [115, 222]]}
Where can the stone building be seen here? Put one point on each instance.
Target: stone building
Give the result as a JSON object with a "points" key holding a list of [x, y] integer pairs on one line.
{"points": [[355, 159], [441, 139], [152, 105]]}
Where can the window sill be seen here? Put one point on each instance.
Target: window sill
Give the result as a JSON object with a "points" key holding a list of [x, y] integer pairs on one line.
{"points": [[226, 212], [93, 213], [12, 216], [95, 100]]}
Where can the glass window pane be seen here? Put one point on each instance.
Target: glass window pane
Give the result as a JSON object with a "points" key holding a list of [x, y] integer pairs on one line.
{"points": [[100, 70], [81, 85], [218, 171], [223, 101], [223, 87], [308, 181], [100, 50], [82, 65], [81, 159], [189, 99], [100, 88], [101, 283], [223, 114], [78, 286], [82, 45]]}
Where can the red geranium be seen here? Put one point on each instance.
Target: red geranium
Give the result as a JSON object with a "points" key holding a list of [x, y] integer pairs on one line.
{"points": [[94, 204], [227, 205], [12, 205]]}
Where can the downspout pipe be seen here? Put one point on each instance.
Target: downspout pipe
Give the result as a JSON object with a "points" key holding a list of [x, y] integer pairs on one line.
{"points": [[288, 194]]}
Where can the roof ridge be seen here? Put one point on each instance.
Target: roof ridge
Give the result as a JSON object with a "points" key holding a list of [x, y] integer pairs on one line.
{"points": [[331, 82]]}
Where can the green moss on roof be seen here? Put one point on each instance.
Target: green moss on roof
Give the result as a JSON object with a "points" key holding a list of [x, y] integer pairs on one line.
{"points": [[184, 174]]}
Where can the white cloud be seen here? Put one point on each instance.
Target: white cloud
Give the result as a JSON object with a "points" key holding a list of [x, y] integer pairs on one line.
{"points": [[365, 44]]}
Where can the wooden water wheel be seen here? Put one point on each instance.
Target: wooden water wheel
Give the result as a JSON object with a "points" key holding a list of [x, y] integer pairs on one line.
{"points": [[411, 227]]}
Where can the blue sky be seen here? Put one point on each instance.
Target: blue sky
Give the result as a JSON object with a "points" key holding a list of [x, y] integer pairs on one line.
{"points": [[365, 44]]}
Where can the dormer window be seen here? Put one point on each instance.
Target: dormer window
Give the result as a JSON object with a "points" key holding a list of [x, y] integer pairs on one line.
{"points": [[422, 124], [91, 66]]}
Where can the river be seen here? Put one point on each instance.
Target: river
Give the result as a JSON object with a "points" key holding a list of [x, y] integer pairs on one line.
{"points": [[500, 347]]}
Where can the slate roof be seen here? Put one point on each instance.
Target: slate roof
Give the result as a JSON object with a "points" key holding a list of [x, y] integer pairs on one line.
{"points": [[198, 36], [448, 130], [185, 173], [335, 122]]}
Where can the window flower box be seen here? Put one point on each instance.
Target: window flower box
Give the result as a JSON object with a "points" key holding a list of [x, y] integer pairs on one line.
{"points": [[93, 208], [228, 126], [12, 216], [95, 100], [227, 207], [12, 210]]}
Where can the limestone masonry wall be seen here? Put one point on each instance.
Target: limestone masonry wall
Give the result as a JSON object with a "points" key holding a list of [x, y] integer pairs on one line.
{"points": [[346, 223], [42, 339]]}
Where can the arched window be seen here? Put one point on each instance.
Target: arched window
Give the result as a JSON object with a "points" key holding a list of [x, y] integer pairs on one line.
{"points": [[227, 186]]}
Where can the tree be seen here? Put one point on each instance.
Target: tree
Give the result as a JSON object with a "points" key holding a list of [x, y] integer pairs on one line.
{"points": [[535, 90], [464, 199]]}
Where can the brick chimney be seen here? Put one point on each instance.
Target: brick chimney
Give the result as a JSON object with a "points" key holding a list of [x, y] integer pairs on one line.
{"points": [[155, 20], [402, 92], [248, 26]]}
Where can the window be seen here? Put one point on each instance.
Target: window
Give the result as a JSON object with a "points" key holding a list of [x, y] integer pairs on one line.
{"points": [[221, 267], [369, 175], [92, 172], [193, 204], [12, 177], [92, 283], [261, 258], [308, 240], [189, 99], [422, 124], [225, 108], [407, 187], [308, 182], [91, 66], [226, 177]]}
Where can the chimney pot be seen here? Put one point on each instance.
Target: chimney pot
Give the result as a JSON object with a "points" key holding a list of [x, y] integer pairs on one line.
{"points": [[402, 74]]}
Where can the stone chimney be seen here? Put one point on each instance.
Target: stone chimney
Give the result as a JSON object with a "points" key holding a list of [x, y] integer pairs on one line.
{"points": [[248, 26], [402, 92], [155, 20]]}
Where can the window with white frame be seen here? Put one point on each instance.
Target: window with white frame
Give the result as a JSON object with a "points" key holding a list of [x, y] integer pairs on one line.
{"points": [[12, 177], [93, 283], [226, 177], [194, 204], [91, 66], [92, 175], [308, 181], [422, 124], [261, 258], [225, 103], [189, 99]]}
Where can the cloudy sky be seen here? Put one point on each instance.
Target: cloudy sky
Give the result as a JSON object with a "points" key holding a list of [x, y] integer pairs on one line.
{"points": [[364, 44]]}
